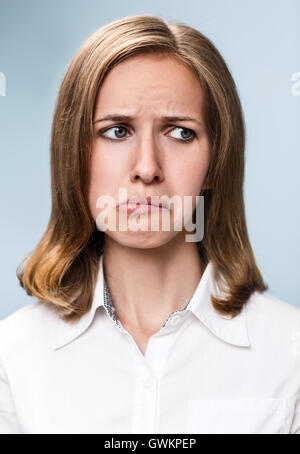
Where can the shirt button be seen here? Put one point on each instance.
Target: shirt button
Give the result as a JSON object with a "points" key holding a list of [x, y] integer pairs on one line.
{"points": [[175, 320], [149, 384]]}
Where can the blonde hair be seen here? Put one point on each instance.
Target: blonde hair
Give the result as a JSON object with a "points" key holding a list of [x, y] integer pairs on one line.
{"points": [[63, 267]]}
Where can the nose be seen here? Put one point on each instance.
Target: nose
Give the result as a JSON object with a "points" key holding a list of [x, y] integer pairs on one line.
{"points": [[147, 165]]}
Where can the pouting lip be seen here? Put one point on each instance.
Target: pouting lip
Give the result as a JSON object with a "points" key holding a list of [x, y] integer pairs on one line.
{"points": [[149, 200]]}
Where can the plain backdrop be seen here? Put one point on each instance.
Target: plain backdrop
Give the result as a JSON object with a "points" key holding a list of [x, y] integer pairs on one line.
{"points": [[260, 41]]}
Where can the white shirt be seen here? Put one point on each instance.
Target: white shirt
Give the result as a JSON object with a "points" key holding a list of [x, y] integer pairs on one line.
{"points": [[201, 373]]}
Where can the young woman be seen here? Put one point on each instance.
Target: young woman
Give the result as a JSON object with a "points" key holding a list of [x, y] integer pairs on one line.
{"points": [[144, 330]]}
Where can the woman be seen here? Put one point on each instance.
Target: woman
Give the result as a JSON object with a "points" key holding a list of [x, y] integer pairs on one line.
{"points": [[143, 330]]}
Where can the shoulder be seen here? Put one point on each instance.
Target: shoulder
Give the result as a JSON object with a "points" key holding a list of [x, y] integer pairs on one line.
{"points": [[28, 322], [272, 318], [267, 306]]}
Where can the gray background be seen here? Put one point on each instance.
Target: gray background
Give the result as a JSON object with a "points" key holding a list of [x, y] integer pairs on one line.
{"points": [[260, 41]]}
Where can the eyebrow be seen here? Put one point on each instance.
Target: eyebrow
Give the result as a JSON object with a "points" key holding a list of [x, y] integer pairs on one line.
{"points": [[171, 119]]}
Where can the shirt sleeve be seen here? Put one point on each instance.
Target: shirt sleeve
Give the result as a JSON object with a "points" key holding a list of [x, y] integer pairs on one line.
{"points": [[8, 420]]}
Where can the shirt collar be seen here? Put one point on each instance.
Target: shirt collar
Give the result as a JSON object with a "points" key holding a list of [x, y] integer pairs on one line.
{"points": [[68, 331], [232, 330]]}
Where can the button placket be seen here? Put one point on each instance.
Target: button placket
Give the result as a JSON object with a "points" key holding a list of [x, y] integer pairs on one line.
{"points": [[145, 398], [150, 384]]}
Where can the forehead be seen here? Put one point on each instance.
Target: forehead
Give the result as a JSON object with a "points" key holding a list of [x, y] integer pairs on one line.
{"points": [[151, 82]]}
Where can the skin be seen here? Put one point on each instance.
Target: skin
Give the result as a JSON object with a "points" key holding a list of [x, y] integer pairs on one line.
{"points": [[150, 274]]}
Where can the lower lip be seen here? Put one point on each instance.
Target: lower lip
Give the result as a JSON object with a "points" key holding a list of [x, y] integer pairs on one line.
{"points": [[139, 208]]}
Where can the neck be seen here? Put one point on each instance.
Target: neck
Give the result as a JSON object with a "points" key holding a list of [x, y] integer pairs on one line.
{"points": [[147, 285]]}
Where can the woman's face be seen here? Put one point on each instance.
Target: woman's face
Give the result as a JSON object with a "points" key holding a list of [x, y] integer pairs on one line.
{"points": [[147, 154]]}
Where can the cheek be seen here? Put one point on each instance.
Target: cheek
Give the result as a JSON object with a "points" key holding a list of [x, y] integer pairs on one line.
{"points": [[108, 166], [99, 183], [99, 176], [106, 175], [187, 175]]}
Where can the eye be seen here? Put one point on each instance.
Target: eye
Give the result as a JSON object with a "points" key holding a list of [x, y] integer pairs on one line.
{"points": [[114, 135], [119, 132], [186, 135]]}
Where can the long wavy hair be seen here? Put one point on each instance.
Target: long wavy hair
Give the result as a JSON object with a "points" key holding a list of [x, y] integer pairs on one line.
{"points": [[63, 267]]}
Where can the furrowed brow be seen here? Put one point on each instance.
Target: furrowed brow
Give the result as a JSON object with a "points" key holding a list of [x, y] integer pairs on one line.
{"points": [[120, 117]]}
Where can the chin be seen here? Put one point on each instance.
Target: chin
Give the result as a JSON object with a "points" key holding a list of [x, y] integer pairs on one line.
{"points": [[142, 240]]}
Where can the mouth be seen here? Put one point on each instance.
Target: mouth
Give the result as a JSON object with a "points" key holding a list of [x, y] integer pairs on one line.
{"points": [[140, 208], [143, 205]]}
